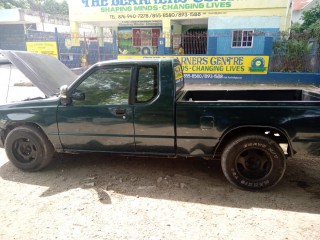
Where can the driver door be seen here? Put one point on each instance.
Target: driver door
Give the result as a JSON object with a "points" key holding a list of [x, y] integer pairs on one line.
{"points": [[99, 117]]}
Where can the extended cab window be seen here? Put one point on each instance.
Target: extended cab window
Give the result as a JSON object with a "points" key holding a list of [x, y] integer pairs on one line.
{"points": [[147, 83], [108, 86]]}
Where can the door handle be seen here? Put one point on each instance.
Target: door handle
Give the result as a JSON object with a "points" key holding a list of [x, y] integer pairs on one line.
{"points": [[121, 111]]}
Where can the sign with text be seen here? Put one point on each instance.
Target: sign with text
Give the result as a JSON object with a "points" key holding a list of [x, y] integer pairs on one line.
{"points": [[150, 10], [141, 10], [214, 66], [49, 48]]}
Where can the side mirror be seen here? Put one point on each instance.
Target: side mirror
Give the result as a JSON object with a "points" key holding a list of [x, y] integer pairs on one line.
{"points": [[64, 95], [80, 96], [64, 92]]}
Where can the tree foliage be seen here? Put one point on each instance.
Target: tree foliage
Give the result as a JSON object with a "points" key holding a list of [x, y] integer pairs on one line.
{"points": [[315, 32], [310, 17], [50, 6], [9, 4], [311, 23], [47, 6], [290, 53], [53, 7]]}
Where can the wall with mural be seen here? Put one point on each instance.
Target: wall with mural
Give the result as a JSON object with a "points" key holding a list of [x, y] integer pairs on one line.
{"points": [[138, 40]]}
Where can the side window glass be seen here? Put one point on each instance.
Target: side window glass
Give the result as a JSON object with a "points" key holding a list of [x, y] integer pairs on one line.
{"points": [[147, 83], [109, 86]]}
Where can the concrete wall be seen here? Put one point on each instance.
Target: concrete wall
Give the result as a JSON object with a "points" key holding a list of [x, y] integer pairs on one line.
{"points": [[222, 28]]}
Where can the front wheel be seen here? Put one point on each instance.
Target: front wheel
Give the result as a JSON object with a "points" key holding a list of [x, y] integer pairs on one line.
{"points": [[28, 148], [253, 162]]}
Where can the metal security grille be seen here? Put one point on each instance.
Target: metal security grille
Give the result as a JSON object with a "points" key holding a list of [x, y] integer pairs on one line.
{"points": [[194, 42], [89, 48]]}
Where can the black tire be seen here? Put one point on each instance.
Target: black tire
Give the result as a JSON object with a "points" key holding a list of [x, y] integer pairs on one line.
{"points": [[28, 148], [253, 162]]}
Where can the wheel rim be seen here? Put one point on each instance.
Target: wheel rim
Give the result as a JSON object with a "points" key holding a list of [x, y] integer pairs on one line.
{"points": [[24, 150], [254, 164]]}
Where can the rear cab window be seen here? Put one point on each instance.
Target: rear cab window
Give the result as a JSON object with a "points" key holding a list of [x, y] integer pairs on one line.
{"points": [[147, 84]]}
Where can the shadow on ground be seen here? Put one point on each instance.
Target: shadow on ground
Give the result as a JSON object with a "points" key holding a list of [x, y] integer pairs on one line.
{"points": [[196, 181]]}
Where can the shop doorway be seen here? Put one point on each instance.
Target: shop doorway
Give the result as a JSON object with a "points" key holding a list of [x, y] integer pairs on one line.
{"points": [[194, 41]]}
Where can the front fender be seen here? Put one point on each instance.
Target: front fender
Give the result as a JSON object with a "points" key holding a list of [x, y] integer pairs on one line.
{"points": [[41, 113]]}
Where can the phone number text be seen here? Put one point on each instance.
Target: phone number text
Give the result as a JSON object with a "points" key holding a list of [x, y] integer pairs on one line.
{"points": [[154, 15]]}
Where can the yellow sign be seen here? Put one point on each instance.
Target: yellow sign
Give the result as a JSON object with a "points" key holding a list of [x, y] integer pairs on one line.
{"points": [[146, 10], [178, 73], [49, 48], [211, 66]]}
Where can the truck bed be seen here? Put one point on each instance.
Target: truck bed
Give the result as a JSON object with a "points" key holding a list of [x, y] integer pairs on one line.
{"points": [[250, 95]]}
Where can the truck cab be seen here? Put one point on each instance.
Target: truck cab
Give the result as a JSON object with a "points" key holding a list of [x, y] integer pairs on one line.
{"points": [[126, 106]]}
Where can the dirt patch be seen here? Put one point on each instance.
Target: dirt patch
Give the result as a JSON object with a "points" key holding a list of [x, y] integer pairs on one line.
{"points": [[95, 196]]}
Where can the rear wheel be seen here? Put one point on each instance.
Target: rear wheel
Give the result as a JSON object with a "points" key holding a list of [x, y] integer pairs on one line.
{"points": [[253, 162], [28, 148]]}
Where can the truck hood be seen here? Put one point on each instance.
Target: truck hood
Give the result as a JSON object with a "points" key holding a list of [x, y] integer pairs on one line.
{"points": [[44, 71]]}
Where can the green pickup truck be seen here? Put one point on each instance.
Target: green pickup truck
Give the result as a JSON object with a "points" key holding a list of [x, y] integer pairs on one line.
{"points": [[141, 107]]}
